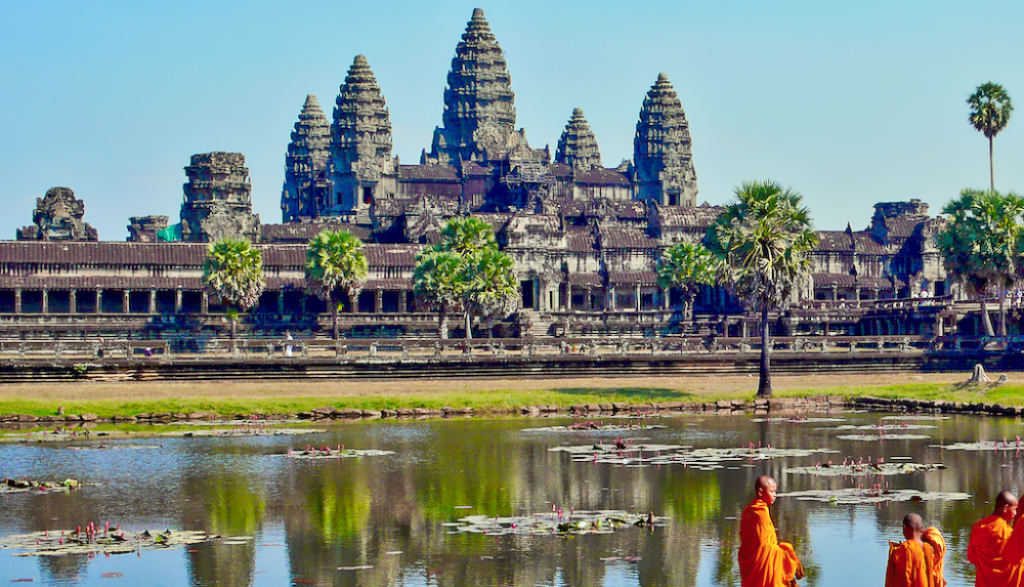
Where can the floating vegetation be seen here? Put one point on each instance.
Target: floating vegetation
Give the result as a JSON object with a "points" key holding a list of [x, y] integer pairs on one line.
{"points": [[105, 446], [800, 420], [31, 486], [916, 418], [326, 452], [879, 437], [995, 446], [592, 426], [705, 459], [883, 427], [860, 469], [859, 496], [555, 523], [243, 431], [92, 539]]}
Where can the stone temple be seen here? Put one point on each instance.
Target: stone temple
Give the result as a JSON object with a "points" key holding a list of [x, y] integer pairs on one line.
{"points": [[585, 238]]}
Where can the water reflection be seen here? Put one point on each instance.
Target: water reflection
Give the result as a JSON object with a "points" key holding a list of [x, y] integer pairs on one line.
{"points": [[380, 521]]}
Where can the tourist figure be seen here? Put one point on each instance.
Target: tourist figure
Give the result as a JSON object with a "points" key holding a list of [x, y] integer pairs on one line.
{"points": [[764, 561], [912, 563], [287, 345], [988, 540]]}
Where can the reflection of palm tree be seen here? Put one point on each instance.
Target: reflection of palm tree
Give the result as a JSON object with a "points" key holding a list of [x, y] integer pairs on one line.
{"points": [[231, 506]]}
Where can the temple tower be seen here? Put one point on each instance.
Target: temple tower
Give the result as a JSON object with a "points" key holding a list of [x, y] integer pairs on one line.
{"points": [[577, 146], [479, 105], [306, 183], [59, 216], [662, 149], [363, 168], [218, 199]]}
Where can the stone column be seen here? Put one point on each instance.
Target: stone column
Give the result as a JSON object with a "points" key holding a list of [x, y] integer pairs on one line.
{"points": [[73, 301], [152, 301], [46, 301], [126, 301], [938, 325], [378, 301], [280, 302], [177, 301], [636, 298], [99, 301], [17, 300], [204, 303], [403, 302], [666, 298]]}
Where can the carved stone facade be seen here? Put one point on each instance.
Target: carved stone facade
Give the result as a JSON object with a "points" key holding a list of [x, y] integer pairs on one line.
{"points": [[218, 199], [144, 229], [58, 217], [308, 189], [577, 146], [662, 149]]}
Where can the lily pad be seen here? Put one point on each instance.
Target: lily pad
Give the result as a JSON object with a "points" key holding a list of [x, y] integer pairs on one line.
{"points": [[245, 431], [38, 487], [879, 437], [313, 453], [989, 445], [857, 496], [883, 427], [596, 427], [917, 418], [800, 420], [62, 542], [704, 459], [865, 469], [557, 523]]}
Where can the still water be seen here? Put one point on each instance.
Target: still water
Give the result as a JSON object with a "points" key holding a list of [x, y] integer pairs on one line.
{"points": [[382, 520]]}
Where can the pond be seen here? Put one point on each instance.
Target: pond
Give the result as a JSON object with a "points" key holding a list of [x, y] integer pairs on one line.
{"points": [[419, 507]]}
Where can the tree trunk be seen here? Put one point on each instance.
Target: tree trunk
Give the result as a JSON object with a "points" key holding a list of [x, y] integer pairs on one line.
{"points": [[469, 325], [985, 319], [442, 327], [234, 330], [1002, 308], [334, 317], [991, 167], [764, 386]]}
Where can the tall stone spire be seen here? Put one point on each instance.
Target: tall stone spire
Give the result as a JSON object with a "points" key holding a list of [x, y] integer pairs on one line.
{"points": [[479, 105], [661, 149], [360, 139], [577, 146], [308, 156]]}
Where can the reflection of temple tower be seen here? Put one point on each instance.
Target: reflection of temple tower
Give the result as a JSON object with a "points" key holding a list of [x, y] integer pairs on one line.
{"points": [[361, 142], [577, 146], [218, 199], [479, 106], [307, 187], [661, 149]]}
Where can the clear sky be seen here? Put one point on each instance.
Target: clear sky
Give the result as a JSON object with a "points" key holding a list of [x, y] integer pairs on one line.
{"points": [[850, 103]]}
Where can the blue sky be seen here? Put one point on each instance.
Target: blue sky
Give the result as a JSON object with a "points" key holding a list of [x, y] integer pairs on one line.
{"points": [[848, 103]]}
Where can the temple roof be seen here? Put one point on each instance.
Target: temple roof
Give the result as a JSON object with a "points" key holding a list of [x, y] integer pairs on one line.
{"points": [[662, 133], [577, 146], [309, 149]]}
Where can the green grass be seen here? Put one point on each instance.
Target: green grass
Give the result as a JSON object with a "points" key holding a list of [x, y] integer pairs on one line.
{"points": [[493, 400]]}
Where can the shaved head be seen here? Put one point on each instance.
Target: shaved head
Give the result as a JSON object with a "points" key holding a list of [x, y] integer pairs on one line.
{"points": [[763, 482], [914, 522], [764, 489], [1006, 505]]}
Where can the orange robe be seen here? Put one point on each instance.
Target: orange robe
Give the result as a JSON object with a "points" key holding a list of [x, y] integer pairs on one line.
{"points": [[910, 565], [764, 561], [934, 538], [985, 551], [1013, 554]]}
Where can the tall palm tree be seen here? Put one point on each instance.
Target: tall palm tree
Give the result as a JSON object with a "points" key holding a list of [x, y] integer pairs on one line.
{"points": [[981, 243], [233, 274], [491, 289], [990, 111], [467, 235], [764, 238], [335, 263], [688, 266], [437, 277]]}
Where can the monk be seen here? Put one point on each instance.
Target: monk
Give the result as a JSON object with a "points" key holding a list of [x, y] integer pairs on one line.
{"points": [[932, 537], [911, 564], [1013, 554], [988, 540], [764, 561]]}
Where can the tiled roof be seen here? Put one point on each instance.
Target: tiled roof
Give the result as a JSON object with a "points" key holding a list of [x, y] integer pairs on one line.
{"points": [[847, 280], [586, 279], [837, 241], [581, 239], [633, 277], [444, 173], [102, 253], [625, 237], [302, 232], [399, 283], [602, 176]]}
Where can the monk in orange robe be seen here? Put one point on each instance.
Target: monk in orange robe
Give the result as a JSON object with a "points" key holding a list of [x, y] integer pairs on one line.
{"points": [[764, 561], [932, 537], [911, 563], [1013, 554], [988, 541]]}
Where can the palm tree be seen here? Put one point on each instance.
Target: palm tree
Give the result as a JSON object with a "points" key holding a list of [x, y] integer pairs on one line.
{"points": [[335, 263], [990, 111], [688, 266], [437, 277], [764, 239], [980, 245], [491, 290], [233, 274], [466, 236]]}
